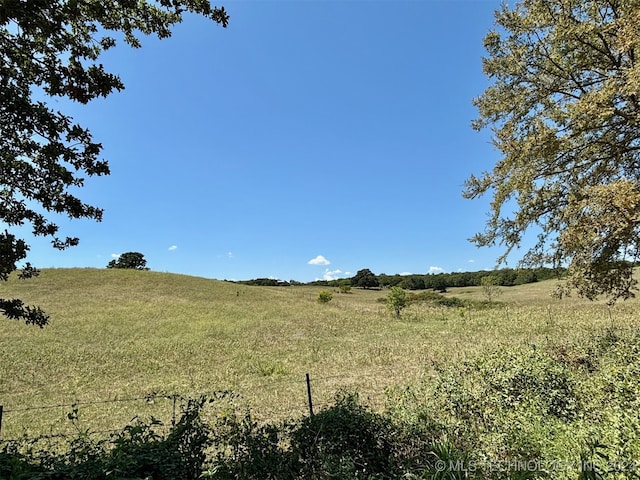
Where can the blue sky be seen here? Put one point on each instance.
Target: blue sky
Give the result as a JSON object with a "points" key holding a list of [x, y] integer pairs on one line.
{"points": [[307, 140]]}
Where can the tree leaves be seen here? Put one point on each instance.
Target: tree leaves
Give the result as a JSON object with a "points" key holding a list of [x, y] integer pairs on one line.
{"points": [[564, 112], [50, 49]]}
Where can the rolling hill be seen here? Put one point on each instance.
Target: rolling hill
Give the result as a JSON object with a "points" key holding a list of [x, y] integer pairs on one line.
{"points": [[122, 334]]}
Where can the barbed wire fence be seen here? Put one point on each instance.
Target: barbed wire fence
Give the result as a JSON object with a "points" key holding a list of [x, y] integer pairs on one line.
{"points": [[313, 395]]}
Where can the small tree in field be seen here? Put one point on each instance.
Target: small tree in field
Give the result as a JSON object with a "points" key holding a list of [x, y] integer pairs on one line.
{"points": [[131, 260], [324, 296], [397, 300], [490, 288]]}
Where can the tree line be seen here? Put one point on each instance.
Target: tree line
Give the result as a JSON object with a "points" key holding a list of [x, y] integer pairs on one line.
{"points": [[506, 277]]}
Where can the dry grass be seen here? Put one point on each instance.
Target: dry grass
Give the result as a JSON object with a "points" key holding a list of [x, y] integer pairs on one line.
{"points": [[118, 334]]}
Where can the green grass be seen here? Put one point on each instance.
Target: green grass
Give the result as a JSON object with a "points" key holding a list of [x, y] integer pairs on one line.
{"points": [[118, 334]]}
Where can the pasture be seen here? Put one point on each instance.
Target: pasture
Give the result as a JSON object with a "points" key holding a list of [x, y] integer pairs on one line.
{"points": [[120, 334]]}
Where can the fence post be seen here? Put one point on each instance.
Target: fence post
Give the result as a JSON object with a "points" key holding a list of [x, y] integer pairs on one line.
{"points": [[1, 407], [309, 395], [173, 415]]}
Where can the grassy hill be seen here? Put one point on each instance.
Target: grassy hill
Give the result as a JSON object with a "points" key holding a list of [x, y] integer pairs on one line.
{"points": [[120, 334]]}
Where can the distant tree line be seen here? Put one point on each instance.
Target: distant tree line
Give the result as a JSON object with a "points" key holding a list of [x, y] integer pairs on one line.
{"points": [[506, 277], [269, 282]]}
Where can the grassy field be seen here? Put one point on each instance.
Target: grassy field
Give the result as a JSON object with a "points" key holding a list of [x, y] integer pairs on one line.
{"points": [[119, 334]]}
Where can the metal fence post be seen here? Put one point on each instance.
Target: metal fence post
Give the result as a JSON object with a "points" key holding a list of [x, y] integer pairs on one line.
{"points": [[309, 395]]}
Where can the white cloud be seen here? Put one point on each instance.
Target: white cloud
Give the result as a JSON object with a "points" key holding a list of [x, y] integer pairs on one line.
{"points": [[229, 254], [173, 247], [433, 269], [405, 273], [115, 255], [331, 274], [472, 261], [319, 260]]}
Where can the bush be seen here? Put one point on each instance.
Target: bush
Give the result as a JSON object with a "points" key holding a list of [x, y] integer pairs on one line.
{"points": [[324, 296], [397, 300], [344, 441], [451, 302], [436, 299], [249, 451], [562, 403], [138, 451]]}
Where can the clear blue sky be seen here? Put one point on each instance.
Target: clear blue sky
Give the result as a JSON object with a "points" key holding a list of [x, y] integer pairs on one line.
{"points": [[309, 139]]}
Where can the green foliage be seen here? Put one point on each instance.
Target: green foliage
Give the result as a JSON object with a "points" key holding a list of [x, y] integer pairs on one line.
{"points": [[345, 288], [324, 296], [397, 300], [130, 260], [267, 282], [365, 278], [248, 450], [138, 451], [437, 299], [445, 462], [524, 276], [452, 302], [567, 405], [51, 50], [344, 441], [564, 110], [12, 251], [412, 282], [439, 282]]}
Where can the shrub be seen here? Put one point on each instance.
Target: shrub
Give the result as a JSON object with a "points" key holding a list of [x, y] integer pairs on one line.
{"points": [[451, 302], [324, 296], [521, 404], [397, 300], [436, 299], [346, 441], [138, 451], [249, 451]]}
